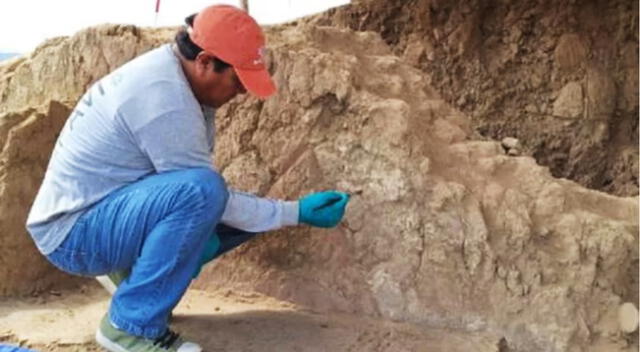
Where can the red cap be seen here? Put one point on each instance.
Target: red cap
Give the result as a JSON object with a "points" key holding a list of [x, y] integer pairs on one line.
{"points": [[232, 35]]}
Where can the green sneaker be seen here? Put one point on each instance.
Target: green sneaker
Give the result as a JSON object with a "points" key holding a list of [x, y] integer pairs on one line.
{"points": [[111, 281], [115, 340]]}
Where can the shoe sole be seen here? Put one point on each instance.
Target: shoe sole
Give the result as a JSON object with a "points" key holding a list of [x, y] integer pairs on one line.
{"points": [[108, 344], [114, 347]]}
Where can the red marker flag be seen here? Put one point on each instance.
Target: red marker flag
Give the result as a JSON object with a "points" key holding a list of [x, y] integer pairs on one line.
{"points": [[157, 11]]}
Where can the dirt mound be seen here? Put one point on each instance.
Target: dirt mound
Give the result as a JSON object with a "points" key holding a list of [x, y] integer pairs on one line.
{"points": [[442, 230], [560, 76]]}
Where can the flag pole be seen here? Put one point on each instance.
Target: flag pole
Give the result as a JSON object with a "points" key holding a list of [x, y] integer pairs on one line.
{"points": [[155, 22]]}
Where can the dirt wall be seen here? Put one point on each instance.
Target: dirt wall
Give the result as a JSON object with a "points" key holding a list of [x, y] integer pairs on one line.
{"points": [[443, 229], [561, 76]]}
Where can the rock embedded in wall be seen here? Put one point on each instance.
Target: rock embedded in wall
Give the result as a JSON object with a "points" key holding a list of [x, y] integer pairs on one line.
{"points": [[570, 52], [570, 102]]}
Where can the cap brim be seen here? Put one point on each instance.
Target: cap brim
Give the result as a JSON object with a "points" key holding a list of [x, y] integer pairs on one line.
{"points": [[257, 82]]}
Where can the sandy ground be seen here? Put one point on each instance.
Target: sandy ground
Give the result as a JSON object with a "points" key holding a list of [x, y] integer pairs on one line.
{"points": [[225, 321]]}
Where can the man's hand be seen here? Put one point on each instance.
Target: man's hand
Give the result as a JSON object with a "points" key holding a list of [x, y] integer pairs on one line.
{"points": [[323, 209]]}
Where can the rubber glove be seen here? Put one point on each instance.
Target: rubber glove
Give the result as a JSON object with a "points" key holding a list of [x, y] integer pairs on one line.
{"points": [[323, 209]]}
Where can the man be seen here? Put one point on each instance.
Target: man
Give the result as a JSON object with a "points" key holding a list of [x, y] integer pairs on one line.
{"points": [[130, 186]]}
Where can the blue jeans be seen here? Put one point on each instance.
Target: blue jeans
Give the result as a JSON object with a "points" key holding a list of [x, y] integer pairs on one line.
{"points": [[10, 348], [158, 228]]}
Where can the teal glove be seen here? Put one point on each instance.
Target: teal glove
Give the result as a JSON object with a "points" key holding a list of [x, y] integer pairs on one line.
{"points": [[323, 209]]}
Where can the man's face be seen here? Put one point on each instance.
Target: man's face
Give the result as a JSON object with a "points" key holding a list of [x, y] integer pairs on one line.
{"points": [[215, 88]]}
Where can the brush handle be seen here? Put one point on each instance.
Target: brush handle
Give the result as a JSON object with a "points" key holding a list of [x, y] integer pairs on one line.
{"points": [[329, 203]]}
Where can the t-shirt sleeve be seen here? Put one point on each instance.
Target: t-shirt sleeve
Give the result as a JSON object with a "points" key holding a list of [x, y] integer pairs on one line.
{"points": [[247, 212], [172, 133]]}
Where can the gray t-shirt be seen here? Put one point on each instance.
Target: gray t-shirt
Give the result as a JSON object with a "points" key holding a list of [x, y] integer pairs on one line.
{"points": [[139, 120]]}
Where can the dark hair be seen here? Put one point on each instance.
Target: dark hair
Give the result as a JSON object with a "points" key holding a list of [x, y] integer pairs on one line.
{"points": [[189, 50]]}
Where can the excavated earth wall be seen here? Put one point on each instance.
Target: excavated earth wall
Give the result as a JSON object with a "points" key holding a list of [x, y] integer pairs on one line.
{"points": [[442, 230], [562, 76]]}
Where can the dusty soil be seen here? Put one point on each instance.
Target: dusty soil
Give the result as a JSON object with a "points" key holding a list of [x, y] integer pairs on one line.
{"points": [[226, 321], [562, 76]]}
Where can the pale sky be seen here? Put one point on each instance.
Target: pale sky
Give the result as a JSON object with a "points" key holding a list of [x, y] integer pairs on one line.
{"points": [[26, 23]]}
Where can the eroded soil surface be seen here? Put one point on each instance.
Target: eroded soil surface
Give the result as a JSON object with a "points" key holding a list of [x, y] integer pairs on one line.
{"points": [[225, 321]]}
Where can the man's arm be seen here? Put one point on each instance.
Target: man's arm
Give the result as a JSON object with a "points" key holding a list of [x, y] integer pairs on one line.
{"points": [[177, 140], [254, 214]]}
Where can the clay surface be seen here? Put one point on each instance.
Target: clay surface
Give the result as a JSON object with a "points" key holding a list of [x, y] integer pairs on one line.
{"points": [[445, 229]]}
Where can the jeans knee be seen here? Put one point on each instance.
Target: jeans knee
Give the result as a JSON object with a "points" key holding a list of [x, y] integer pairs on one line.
{"points": [[213, 186]]}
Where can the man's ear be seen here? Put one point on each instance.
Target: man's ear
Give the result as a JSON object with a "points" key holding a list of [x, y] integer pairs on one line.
{"points": [[204, 61]]}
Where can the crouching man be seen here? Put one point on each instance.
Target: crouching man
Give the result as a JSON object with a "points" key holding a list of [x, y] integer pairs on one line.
{"points": [[130, 189]]}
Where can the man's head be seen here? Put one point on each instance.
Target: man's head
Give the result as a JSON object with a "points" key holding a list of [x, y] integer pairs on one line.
{"points": [[222, 54]]}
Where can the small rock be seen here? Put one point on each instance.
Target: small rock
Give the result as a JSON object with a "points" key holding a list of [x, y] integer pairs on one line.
{"points": [[431, 55], [570, 51], [570, 102], [437, 34], [513, 152], [531, 109], [544, 232], [502, 272], [510, 143], [628, 317]]}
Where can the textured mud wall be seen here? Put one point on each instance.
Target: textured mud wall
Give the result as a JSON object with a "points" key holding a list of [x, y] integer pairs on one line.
{"points": [[442, 230], [27, 146], [562, 76]]}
